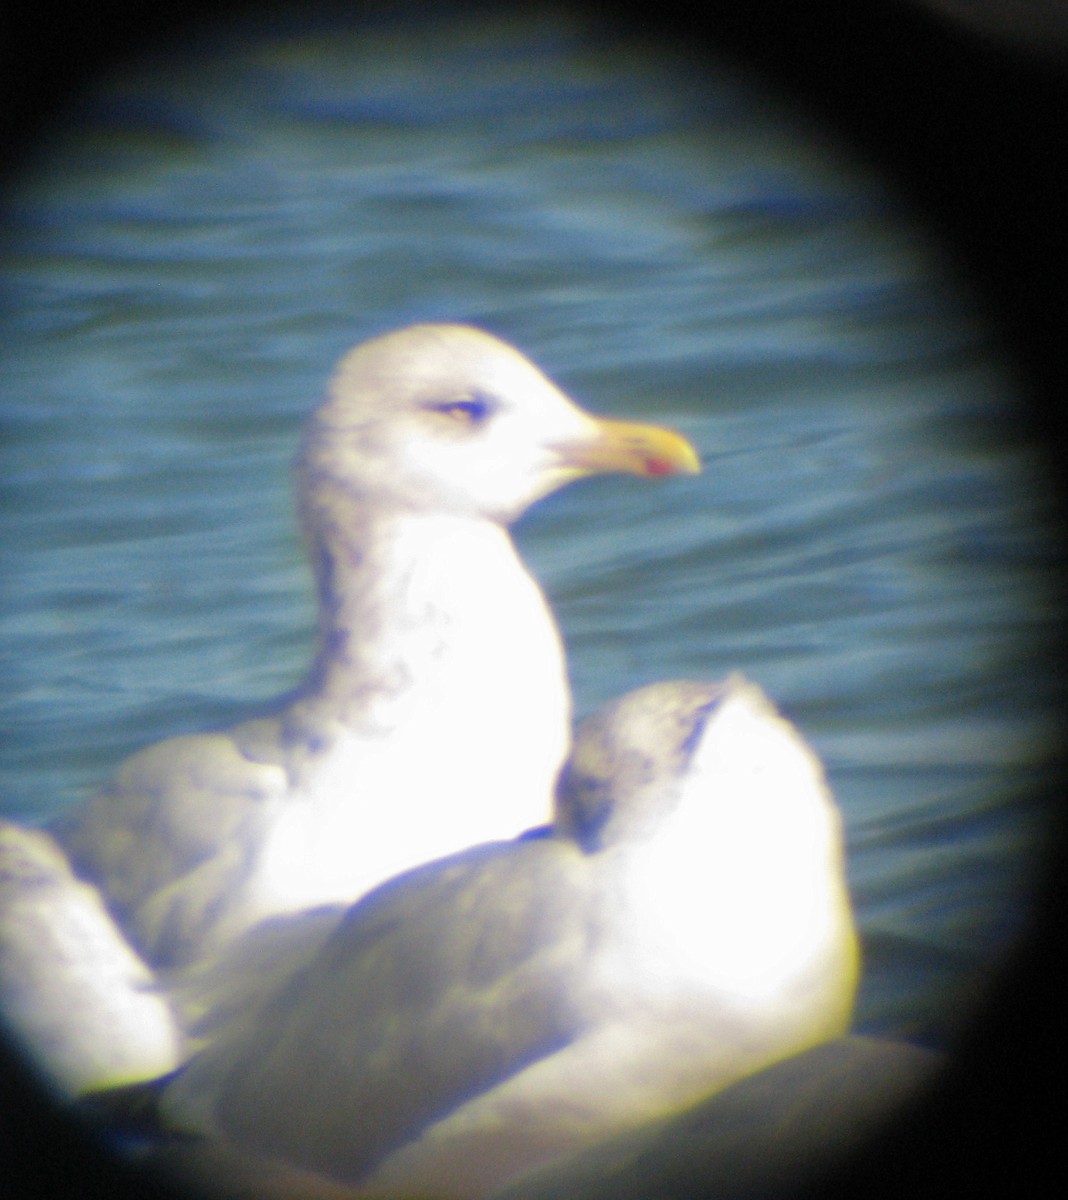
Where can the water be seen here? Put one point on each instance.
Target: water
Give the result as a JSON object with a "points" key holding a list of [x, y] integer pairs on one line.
{"points": [[869, 540]]}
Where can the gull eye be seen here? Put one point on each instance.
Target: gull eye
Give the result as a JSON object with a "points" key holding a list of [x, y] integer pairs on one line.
{"points": [[471, 410]]}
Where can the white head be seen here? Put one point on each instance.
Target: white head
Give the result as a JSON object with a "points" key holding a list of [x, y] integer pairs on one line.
{"points": [[447, 418], [726, 840], [638, 763]]}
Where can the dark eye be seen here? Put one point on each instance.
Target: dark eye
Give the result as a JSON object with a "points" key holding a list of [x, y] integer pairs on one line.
{"points": [[471, 410]]}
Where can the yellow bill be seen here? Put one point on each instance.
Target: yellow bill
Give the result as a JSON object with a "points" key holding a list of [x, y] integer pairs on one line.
{"points": [[629, 447]]}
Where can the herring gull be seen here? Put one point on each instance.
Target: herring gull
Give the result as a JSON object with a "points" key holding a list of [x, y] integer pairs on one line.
{"points": [[436, 712], [684, 923]]}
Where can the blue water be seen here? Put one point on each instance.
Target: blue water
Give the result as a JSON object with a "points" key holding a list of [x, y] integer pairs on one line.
{"points": [[870, 539]]}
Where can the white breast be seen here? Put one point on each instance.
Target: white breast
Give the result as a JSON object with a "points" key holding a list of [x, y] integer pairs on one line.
{"points": [[464, 749]]}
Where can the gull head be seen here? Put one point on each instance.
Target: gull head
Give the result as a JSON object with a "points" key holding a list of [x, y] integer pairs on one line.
{"points": [[631, 762], [680, 745], [447, 418], [723, 842]]}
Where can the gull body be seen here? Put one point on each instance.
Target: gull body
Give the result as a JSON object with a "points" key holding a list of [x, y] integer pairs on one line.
{"points": [[684, 923], [73, 991], [436, 712]]}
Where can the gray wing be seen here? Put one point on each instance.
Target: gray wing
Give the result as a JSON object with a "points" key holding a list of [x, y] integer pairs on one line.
{"points": [[436, 987], [219, 990], [169, 838]]}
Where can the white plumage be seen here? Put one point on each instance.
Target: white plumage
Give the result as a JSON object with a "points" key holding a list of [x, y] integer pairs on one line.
{"points": [[685, 924], [435, 715], [72, 989], [436, 712]]}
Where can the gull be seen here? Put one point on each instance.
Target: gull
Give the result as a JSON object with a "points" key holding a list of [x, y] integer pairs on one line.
{"points": [[436, 712], [684, 923], [73, 991]]}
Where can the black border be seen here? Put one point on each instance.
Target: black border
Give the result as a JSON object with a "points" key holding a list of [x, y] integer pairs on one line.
{"points": [[974, 132]]}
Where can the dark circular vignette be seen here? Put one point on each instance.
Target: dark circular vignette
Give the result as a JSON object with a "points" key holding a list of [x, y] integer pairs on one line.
{"points": [[969, 126]]}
